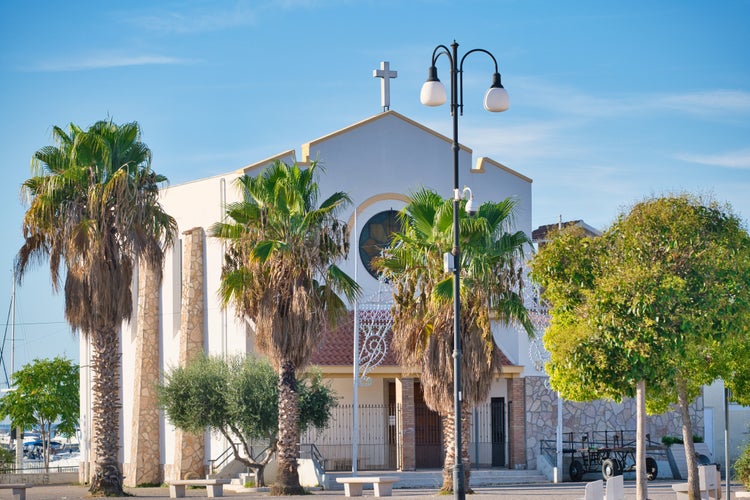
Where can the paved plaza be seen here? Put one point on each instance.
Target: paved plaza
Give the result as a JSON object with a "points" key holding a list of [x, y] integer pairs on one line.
{"points": [[658, 490]]}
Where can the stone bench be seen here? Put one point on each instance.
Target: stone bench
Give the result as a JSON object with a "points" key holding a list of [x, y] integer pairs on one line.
{"points": [[709, 483], [382, 485], [214, 487], [18, 490]]}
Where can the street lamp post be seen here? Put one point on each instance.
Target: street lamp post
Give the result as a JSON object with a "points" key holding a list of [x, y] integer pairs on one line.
{"points": [[495, 100]]}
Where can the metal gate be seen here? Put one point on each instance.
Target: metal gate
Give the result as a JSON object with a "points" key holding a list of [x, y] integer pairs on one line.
{"points": [[428, 428], [497, 412]]}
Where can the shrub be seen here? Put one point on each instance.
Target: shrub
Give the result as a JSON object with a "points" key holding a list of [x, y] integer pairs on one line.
{"points": [[670, 440], [742, 467], [7, 459]]}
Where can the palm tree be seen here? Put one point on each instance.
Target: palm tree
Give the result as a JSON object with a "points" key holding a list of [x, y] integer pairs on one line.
{"points": [[280, 271], [93, 212], [491, 263]]}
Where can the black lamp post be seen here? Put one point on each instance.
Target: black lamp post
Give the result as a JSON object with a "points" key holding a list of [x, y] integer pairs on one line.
{"points": [[496, 99]]}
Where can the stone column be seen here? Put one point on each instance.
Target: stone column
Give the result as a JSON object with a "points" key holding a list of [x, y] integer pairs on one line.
{"points": [[189, 458], [144, 466], [407, 446], [517, 423]]}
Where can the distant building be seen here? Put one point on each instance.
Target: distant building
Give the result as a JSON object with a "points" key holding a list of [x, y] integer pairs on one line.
{"points": [[541, 235]]}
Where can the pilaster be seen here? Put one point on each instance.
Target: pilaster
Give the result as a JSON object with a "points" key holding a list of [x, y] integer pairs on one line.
{"points": [[144, 466], [407, 446], [190, 451], [517, 423]]}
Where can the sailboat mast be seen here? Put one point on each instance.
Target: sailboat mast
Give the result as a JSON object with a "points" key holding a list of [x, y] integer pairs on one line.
{"points": [[13, 326]]}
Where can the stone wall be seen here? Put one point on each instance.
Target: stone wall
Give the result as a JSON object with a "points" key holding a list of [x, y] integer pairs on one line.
{"points": [[599, 415]]}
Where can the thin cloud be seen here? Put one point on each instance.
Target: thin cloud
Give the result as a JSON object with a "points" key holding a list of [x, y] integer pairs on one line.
{"points": [[103, 61], [710, 102], [213, 17], [572, 102], [732, 159], [199, 21]]}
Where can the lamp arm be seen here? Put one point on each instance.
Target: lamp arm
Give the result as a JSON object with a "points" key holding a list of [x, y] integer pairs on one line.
{"points": [[461, 65], [461, 75], [436, 53]]}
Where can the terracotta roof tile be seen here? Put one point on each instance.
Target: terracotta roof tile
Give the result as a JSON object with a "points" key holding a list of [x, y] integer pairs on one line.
{"points": [[336, 347]]}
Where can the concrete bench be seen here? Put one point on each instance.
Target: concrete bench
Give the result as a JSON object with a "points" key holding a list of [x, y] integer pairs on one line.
{"points": [[709, 483], [18, 490], [382, 485], [615, 488], [594, 490], [214, 487]]}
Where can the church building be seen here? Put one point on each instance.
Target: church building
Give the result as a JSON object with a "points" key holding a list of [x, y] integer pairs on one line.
{"points": [[378, 161]]}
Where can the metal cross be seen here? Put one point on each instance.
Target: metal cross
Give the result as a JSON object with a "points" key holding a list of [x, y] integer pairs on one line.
{"points": [[385, 84]]}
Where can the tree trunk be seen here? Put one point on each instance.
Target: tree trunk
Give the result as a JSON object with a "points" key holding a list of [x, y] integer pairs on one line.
{"points": [[260, 477], [641, 482], [449, 444], [687, 438], [465, 440], [287, 480], [105, 364]]}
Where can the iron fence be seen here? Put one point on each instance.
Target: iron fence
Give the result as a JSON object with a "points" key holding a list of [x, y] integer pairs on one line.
{"points": [[380, 437]]}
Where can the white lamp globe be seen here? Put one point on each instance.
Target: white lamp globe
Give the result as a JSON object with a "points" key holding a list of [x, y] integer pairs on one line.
{"points": [[433, 93], [496, 100]]}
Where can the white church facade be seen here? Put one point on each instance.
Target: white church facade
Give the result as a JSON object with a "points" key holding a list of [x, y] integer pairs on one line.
{"points": [[378, 162]]}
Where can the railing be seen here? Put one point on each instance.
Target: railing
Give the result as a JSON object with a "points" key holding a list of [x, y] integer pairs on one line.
{"points": [[309, 450], [548, 449], [222, 459], [227, 455], [37, 469]]}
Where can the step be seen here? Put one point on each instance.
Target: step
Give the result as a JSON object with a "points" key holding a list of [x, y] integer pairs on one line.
{"points": [[434, 478]]}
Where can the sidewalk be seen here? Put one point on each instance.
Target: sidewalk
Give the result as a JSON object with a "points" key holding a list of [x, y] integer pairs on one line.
{"points": [[657, 490]]}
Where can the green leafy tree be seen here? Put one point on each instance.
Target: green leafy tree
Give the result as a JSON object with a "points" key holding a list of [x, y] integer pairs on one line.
{"points": [[239, 399], [93, 212], [655, 308], [491, 263], [7, 458], [280, 272], [45, 392]]}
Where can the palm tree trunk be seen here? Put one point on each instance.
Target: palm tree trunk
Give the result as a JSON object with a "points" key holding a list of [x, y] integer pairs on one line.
{"points": [[287, 480], [105, 364], [687, 438], [465, 441], [449, 443]]}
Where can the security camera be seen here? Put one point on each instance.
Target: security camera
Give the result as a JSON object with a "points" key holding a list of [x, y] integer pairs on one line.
{"points": [[470, 208], [469, 202]]}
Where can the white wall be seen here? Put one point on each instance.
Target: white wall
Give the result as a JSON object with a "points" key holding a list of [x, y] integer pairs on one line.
{"points": [[739, 424]]}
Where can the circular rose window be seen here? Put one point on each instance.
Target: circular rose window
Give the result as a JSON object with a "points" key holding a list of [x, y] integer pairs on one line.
{"points": [[376, 236]]}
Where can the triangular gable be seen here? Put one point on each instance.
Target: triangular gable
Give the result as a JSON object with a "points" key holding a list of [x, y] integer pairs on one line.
{"points": [[388, 114]]}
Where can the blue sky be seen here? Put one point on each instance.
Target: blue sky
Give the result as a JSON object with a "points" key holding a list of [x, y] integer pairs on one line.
{"points": [[610, 101]]}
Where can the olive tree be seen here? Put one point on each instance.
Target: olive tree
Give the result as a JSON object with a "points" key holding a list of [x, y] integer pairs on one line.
{"points": [[238, 399]]}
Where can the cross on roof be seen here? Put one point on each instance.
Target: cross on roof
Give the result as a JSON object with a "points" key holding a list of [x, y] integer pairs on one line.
{"points": [[385, 74]]}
